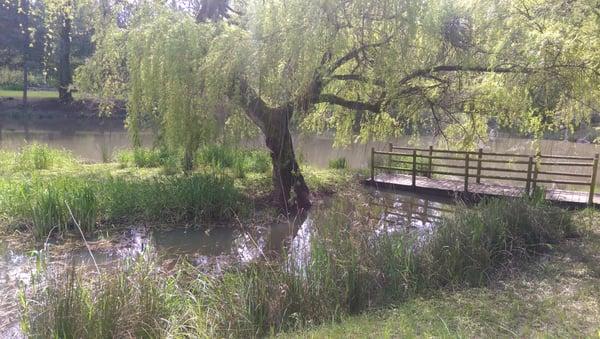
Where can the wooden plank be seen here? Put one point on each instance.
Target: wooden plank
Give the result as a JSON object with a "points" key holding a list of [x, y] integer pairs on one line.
{"points": [[414, 169], [509, 170], [392, 153], [564, 182], [439, 157], [528, 184], [372, 163], [580, 164], [593, 181], [496, 161], [503, 178], [564, 174], [566, 157], [430, 161], [467, 172], [448, 173], [393, 169], [479, 157]]}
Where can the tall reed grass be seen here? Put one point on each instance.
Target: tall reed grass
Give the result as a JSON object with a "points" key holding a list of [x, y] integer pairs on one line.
{"points": [[350, 269], [34, 156], [239, 160], [40, 203]]}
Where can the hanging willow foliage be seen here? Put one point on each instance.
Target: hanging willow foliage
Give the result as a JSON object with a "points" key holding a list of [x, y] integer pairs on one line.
{"points": [[167, 90]]}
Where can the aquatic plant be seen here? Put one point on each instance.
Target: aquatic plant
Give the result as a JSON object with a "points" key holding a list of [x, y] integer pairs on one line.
{"points": [[470, 245], [349, 269], [40, 203], [133, 302]]}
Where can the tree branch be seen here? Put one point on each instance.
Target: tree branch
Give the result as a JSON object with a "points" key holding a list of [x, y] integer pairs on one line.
{"points": [[459, 68], [355, 53], [351, 104]]}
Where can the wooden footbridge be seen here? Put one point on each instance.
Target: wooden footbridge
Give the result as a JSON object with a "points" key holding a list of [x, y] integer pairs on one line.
{"points": [[564, 179]]}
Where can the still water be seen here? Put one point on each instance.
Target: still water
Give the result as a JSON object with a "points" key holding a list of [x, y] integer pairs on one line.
{"points": [[97, 140], [216, 249]]}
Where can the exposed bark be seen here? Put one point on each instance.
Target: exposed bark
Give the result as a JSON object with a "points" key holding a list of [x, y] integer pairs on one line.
{"points": [[274, 123], [65, 76], [286, 172]]}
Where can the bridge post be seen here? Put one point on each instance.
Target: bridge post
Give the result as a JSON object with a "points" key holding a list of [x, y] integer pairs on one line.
{"points": [[479, 156], [372, 164], [593, 181], [529, 167], [466, 172], [390, 149], [535, 175], [414, 169], [430, 161]]}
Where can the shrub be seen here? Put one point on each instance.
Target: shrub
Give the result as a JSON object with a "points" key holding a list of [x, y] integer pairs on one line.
{"points": [[12, 79]]}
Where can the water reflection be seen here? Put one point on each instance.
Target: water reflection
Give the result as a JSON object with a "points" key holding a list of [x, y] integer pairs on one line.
{"points": [[217, 249], [408, 212]]}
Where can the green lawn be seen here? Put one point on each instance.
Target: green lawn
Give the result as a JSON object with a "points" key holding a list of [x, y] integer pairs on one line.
{"points": [[557, 296], [30, 94]]}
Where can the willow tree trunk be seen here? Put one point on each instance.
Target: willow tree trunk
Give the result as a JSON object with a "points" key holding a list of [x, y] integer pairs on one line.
{"points": [[65, 77], [287, 177], [274, 123]]}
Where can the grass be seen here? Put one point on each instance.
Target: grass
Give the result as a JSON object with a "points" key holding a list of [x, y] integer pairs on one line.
{"points": [[350, 269], [339, 163], [38, 183], [41, 205], [35, 94], [34, 157], [239, 161], [556, 296], [149, 158]]}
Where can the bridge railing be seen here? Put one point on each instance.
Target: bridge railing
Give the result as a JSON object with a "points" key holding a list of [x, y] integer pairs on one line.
{"points": [[529, 170]]}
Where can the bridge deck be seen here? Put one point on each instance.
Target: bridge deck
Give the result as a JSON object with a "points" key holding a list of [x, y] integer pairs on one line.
{"points": [[456, 187]]}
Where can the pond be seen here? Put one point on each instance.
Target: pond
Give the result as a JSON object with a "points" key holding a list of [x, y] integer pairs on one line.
{"points": [[216, 249], [98, 139]]}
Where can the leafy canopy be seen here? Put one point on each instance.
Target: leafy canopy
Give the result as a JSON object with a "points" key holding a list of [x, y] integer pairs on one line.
{"points": [[365, 69]]}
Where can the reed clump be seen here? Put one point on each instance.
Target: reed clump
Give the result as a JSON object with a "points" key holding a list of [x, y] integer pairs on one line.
{"points": [[239, 161], [348, 267], [35, 157], [339, 163], [41, 204]]}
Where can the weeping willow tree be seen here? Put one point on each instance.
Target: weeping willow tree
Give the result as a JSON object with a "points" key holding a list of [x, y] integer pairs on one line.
{"points": [[362, 69]]}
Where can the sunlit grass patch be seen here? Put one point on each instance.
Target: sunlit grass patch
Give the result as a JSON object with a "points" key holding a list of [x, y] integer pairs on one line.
{"points": [[31, 94], [34, 157]]}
